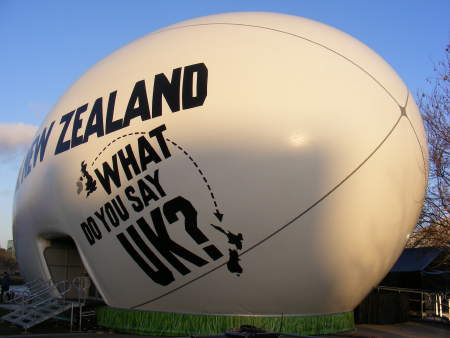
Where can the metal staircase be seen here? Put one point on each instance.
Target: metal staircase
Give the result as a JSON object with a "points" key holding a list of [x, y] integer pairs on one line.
{"points": [[45, 300]]}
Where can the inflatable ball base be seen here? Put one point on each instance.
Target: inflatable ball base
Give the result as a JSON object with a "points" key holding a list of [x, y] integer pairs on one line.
{"points": [[175, 324]]}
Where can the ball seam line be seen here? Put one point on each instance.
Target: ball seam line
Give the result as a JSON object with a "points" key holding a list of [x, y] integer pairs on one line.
{"points": [[425, 166], [291, 34], [284, 226]]}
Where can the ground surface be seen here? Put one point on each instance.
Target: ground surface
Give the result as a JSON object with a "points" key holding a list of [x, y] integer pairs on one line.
{"points": [[402, 330]]}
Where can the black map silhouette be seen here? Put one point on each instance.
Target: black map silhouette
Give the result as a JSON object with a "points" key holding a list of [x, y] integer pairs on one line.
{"points": [[91, 184], [233, 262], [236, 240], [232, 238]]}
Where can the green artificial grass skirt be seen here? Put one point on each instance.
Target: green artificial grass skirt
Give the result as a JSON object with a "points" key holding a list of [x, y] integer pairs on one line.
{"points": [[174, 324]]}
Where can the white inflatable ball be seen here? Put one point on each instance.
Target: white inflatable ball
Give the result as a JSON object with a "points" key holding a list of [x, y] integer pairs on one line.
{"points": [[244, 163]]}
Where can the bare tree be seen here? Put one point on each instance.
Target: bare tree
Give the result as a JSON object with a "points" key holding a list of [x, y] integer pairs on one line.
{"points": [[433, 228], [7, 260]]}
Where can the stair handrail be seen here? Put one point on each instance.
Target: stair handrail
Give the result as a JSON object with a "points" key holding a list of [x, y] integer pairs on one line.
{"points": [[39, 284], [53, 287], [32, 313], [82, 284], [37, 297], [31, 287], [82, 287], [33, 296], [66, 288], [45, 295]]}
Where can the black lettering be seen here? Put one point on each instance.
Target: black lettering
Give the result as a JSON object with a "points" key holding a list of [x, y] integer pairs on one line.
{"points": [[77, 122], [158, 133], [94, 228], [120, 208], [161, 275], [146, 153], [62, 145], [166, 246], [111, 124], [113, 219], [155, 181], [137, 206], [87, 233], [101, 216], [191, 99], [35, 146], [95, 121], [127, 161], [170, 91], [139, 95], [109, 174], [41, 145], [183, 206], [146, 192], [19, 178], [27, 162]]}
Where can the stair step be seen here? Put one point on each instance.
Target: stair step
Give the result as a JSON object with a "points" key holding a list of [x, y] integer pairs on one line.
{"points": [[39, 304], [32, 315]]}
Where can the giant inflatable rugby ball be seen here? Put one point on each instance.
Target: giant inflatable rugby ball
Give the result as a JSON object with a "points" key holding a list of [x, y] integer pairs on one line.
{"points": [[244, 163]]}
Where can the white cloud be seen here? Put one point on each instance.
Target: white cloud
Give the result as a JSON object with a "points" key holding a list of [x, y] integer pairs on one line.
{"points": [[15, 138]]}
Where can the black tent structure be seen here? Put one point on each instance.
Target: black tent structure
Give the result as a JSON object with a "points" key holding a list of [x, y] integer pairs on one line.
{"points": [[424, 268], [419, 278]]}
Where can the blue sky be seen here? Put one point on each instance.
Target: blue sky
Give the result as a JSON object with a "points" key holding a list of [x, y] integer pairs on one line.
{"points": [[46, 45]]}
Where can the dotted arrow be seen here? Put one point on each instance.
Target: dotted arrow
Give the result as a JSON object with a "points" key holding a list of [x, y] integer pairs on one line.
{"points": [[116, 139], [217, 213]]}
